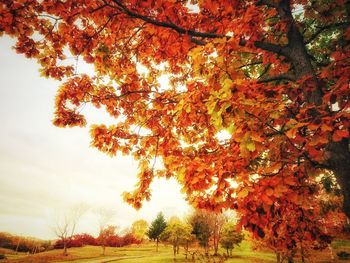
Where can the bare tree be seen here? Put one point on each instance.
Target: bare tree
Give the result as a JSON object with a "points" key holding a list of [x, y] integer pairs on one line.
{"points": [[66, 224]]}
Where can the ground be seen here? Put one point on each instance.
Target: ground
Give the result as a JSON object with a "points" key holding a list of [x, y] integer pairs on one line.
{"points": [[147, 253]]}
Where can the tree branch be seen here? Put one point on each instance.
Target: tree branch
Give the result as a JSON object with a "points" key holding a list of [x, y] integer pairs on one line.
{"points": [[170, 25], [286, 76], [280, 50]]}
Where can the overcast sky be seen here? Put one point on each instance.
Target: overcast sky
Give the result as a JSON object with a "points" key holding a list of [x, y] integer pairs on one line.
{"points": [[44, 170]]}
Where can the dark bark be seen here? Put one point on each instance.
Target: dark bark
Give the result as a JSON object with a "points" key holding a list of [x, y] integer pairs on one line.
{"points": [[286, 76], [339, 161], [119, 5]]}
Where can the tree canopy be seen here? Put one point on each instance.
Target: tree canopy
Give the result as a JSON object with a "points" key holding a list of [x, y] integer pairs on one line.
{"points": [[139, 229], [255, 108]]}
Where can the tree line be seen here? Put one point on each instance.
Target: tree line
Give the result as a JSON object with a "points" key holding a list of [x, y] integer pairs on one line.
{"points": [[207, 230]]}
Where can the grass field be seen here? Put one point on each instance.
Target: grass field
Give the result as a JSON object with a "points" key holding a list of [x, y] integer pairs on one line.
{"points": [[147, 253]]}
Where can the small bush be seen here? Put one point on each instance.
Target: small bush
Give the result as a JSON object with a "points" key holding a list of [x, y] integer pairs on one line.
{"points": [[2, 256], [343, 255]]}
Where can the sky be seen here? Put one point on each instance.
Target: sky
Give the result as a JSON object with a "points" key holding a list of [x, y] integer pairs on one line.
{"points": [[45, 170]]}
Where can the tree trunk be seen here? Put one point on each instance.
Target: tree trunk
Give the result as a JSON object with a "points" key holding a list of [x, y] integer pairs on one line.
{"points": [[174, 249], [291, 256], [206, 248], [302, 252], [331, 252], [186, 248], [216, 248], [103, 250], [339, 155], [18, 243], [339, 161], [278, 257], [65, 253], [338, 152], [157, 244], [216, 242]]}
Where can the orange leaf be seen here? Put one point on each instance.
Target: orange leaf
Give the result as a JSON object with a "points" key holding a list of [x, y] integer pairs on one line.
{"points": [[338, 135]]}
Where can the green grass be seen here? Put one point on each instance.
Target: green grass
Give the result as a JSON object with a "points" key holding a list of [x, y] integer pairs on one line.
{"points": [[147, 253], [244, 253], [340, 243]]}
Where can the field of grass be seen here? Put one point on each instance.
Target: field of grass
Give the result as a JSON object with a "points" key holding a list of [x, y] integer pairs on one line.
{"points": [[147, 253]]}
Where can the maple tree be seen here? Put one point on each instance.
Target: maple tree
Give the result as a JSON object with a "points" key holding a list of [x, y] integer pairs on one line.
{"points": [[273, 75]]}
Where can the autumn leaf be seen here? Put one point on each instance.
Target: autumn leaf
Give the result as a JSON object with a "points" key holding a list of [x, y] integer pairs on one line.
{"points": [[338, 135]]}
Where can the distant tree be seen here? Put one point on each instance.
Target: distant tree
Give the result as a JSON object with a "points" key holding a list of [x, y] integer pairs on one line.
{"points": [[207, 227], [72, 242], [85, 239], [104, 216], [6, 240], [105, 236], [230, 237], [217, 220], [156, 229], [23, 244], [139, 229], [66, 225], [129, 239], [202, 228], [177, 233]]}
